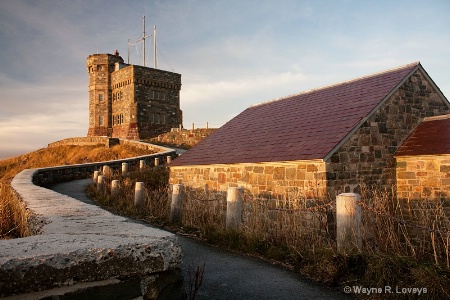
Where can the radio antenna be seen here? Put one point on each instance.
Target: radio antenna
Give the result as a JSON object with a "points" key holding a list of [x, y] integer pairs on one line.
{"points": [[143, 40]]}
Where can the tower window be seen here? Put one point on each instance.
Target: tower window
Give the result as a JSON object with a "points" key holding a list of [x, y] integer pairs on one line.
{"points": [[100, 98], [100, 121]]}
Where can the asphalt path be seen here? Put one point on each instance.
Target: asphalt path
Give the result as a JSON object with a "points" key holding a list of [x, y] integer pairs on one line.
{"points": [[228, 275]]}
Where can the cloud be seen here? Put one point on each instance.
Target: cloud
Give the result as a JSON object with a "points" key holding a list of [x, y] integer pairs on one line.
{"points": [[264, 86]]}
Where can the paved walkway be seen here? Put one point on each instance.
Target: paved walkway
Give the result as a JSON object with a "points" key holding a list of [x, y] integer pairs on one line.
{"points": [[228, 275]]}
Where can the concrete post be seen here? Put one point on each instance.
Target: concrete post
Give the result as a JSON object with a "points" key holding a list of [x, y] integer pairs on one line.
{"points": [[348, 223], [156, 162], [106, 171], [141, 164], [169, 159], [114, 188], [176, 205], [96, 173], [100, 183], [139, 195], [124, 169], [234, 208]]}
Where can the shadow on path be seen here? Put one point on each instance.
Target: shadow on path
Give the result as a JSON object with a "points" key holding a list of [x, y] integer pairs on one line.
{"points": [[228, 275]]}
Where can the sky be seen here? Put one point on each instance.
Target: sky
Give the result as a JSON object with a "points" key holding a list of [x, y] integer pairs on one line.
{"points": [[231, 54]]}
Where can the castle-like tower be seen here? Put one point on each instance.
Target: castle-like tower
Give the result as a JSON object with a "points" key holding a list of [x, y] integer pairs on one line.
{"points": [[130, 101]]}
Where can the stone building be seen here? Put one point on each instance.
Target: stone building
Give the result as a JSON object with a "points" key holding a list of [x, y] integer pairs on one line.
{"points": [[130, 101], [319, 142], [423, 161]]}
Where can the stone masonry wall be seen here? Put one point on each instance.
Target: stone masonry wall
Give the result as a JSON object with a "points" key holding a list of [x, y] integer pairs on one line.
{"points": [[99, 67], [84, 141], [305, 177], [423, 177], [367, 156], [146, 102], [123, 107], [183, 138]]}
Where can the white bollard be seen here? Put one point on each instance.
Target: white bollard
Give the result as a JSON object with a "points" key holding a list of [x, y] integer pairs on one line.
{"points": [[96, 174], [169, 159], [139, 195], [141, 164], [234, 208], [114, 188], [156, 161], [124, 169], [106, 171], [100, 183], [348, 223], [176, 205]]}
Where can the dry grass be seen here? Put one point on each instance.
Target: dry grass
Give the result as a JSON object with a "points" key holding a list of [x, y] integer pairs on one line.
{"points": [[156, 207], [13, 215], [405, 246]]}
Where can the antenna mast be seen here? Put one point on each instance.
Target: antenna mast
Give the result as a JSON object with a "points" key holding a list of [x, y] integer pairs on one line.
{"points": [[143, 40], [155, 61], [128, 62]]}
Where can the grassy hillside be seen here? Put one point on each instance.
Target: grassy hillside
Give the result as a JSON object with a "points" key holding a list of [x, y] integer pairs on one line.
{"points": [[13, 214]]}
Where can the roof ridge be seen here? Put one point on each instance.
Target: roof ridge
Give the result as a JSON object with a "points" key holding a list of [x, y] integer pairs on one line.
{"points": [[434, 118], [338, 83]]}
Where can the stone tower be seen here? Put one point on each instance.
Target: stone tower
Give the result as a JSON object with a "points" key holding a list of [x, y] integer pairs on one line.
{"points": [[100, 67], [130, 101]]}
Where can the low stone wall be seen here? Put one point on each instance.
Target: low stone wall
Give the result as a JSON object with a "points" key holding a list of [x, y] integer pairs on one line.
{"points": [[83, 251], [83, 141], [183, 138], [47, 176], [107, 142]]}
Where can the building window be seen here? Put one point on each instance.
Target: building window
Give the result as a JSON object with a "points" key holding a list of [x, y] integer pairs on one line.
{"points": [[100, 121], [163, 119], [100, 97], [120, 95], [152, 118], [114, 97], [157, 118]]}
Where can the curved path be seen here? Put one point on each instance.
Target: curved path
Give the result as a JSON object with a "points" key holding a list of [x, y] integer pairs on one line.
{"points": [[228, 275]]}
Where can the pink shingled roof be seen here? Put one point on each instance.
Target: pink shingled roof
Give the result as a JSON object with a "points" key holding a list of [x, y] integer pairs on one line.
{"points": [[304, 126], [431, 137]]}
